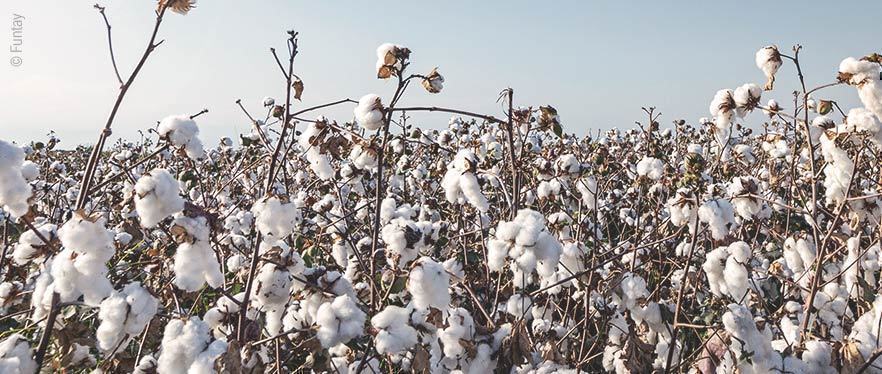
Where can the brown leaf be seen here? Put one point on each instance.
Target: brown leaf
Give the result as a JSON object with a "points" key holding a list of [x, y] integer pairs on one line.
{"points": [[384, 72], [298, 88], [420, 362], [851, 358]]}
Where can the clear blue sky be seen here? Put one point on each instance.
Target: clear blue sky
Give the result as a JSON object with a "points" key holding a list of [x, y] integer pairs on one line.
{"points": [[597, 62]]}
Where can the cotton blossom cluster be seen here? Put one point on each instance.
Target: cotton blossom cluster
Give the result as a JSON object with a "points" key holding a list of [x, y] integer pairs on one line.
{"points": [[80, 268], [15, 355], [529, 245]]}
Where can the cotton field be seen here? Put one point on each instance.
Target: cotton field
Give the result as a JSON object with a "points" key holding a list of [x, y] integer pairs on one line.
{"points": [[747, 241]]}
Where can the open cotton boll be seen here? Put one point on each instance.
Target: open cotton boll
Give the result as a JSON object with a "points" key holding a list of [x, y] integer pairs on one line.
{"points": [[339, 321], [157, 196], [722, 107], [369, 112], [429, 284], [80, 268], [460, 329], [588, 190], [311, 143], [651, 168], [768, 59], [460, 182], [838, 174], [861, 119], [275, 218], [395, 334], [30, 246], [182, 342], [741, 192], [271, 293], [182, 132], [746, 97], [719, 215], [15, 356], [740, 324], [205, 362], [390, 59], [14, 189], [124, 315], [195, 261], [865, 75], [529, 244]]}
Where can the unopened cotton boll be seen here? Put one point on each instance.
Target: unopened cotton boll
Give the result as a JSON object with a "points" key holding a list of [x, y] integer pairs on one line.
{"points": [[182, 132], [14, 189], [157, 196], [369, 112]]}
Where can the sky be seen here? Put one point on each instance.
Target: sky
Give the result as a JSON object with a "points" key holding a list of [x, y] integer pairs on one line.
{"points": [[597, 62]]}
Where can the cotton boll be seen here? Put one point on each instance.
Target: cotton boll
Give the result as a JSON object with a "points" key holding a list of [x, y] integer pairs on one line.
{"points": [[651, 168], [157, 196], [15, 356], [746, 97], [588, 190], [460, 328], [518, 305], [124, 315], [429, 284], [14, 189], [739, 322], [182, 342], [369, 112], [311, 141], [30, 171], [838, 174], [461, 184], [80, 268], [865, 75], [768, 59], [195, 261], [275, 218], [713, 269], [182, 132], [339, 321], [29, 245], [722, 107], [205, 362], [719, 215], [395, 333]]}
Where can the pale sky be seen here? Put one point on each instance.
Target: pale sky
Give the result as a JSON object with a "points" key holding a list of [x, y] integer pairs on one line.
{"points": [[596, 62]]}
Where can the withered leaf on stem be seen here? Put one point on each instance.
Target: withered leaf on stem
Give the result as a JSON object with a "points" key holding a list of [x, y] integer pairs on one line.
{"points": [[298, 88]]}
